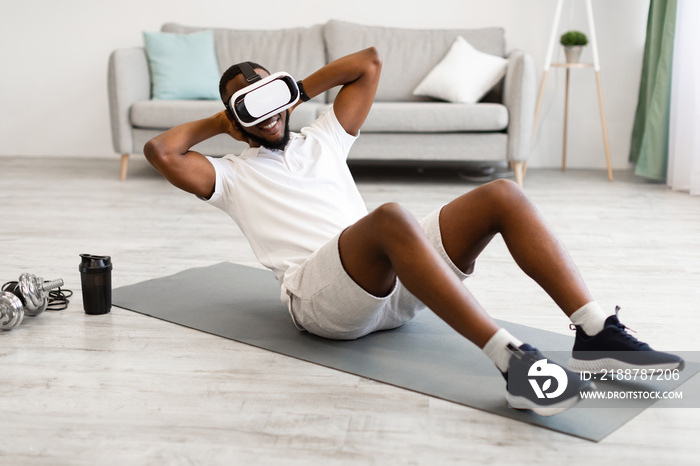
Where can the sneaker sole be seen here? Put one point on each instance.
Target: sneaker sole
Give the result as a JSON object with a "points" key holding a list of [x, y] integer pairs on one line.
{"points": [[520, 402], [598, 366]]}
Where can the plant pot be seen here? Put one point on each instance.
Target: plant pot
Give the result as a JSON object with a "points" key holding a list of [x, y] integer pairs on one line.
{"points": [[573, 53]]}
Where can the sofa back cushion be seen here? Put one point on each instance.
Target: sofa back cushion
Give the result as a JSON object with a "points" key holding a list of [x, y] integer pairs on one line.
{"points": [[408, 54], [298, 51]]}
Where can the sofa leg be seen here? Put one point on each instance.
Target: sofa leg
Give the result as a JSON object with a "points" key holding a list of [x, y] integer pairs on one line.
{"points": [[519, 171], [124, 166]]}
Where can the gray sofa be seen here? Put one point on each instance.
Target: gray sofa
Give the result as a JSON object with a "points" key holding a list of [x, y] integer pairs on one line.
{"points": [[400, 127]]}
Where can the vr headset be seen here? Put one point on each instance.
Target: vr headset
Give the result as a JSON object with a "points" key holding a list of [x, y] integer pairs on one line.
{"points": [[264, 97]]}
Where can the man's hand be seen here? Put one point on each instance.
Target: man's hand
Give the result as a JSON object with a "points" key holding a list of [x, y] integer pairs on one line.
{"points": [[229, 127]]}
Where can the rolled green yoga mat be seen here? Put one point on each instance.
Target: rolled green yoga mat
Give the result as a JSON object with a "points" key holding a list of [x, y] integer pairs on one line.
{"points": [[425, 355]]}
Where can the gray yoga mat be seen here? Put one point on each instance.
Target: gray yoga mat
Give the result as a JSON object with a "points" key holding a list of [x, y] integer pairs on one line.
{"points": [[425, 355]]}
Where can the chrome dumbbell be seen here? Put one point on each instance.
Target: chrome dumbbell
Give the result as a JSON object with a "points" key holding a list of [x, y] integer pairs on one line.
{"points": [[32, 292], [11, 311]]}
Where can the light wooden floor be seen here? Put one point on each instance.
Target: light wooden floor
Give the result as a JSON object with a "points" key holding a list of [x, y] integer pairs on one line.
{"points": [[127, 389]]}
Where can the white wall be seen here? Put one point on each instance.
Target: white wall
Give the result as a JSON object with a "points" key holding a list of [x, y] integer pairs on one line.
{"points": [[53, 98]]}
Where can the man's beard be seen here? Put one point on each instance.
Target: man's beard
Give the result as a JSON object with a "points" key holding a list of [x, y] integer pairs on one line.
{"points": [[272, 145]]}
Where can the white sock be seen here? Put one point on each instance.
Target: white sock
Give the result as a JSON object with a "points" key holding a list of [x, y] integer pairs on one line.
{"points": [[590, 317], [496, 348]]}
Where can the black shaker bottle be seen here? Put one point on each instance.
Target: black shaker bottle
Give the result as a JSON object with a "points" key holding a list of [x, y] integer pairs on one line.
{"points": [[96, 280]]}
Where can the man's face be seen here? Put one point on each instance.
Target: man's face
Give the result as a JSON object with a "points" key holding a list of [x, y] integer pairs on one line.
{"points": [[272, 133]]}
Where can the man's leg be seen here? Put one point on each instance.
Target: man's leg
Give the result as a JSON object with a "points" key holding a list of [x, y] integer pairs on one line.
{"points": [[501, 207], [389, 242], [470, 222]]}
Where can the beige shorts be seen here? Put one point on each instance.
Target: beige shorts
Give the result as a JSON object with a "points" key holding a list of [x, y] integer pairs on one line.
{"points": [[325, 301]]}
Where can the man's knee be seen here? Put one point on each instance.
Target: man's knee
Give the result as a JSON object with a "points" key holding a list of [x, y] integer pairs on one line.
{"points": [[504, 193], [394, 220], [505, 186]]}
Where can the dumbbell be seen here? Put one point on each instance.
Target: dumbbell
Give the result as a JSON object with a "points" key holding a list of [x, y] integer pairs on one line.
{"points": [[11, 311], [32, 293]]}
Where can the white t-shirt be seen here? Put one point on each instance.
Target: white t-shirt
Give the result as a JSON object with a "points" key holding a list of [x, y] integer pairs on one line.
{"points": [[290, 203]]}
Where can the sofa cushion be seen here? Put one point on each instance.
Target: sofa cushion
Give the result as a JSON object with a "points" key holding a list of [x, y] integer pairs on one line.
{"points": [[433, 148], [403, 117], [164, 114], [408, 54], [182, 66], [298, 51], [434, 117], [464, 75]]}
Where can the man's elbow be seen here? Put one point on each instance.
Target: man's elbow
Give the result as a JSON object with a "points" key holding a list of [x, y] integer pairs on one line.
{"points": [[155, 152], [374, 59]]}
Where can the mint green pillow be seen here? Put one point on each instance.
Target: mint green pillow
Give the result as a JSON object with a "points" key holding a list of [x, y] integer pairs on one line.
{"points": [[183, 66]]}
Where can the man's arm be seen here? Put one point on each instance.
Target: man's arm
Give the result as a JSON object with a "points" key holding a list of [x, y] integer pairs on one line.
{"points": [[189, 170], [358, 73]]}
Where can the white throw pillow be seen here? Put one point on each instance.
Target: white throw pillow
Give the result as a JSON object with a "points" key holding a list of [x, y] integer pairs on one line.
{"points": [[464, 75]]}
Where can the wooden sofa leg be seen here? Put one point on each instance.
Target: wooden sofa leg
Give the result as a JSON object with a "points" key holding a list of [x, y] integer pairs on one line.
{"points": [[519, 171], [124, 166]]}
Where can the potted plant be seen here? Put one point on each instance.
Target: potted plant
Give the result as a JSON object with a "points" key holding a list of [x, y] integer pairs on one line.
{"points": [[573, 42]]}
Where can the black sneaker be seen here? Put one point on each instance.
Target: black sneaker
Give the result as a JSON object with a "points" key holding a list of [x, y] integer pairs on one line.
{"points": [[541, 386], [615, 349]]}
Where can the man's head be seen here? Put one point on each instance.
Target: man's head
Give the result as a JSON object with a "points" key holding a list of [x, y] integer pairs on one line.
{"points": [[272, 133]]}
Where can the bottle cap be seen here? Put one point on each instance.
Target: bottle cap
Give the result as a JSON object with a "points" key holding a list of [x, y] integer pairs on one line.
{"points": [[94, 264]]}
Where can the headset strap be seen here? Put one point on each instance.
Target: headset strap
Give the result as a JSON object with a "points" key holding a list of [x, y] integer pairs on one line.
{"points": [[250, 75]]}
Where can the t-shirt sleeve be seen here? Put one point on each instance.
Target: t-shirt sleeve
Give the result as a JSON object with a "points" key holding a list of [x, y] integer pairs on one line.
{"points": [[328, 127], [222, 169]]}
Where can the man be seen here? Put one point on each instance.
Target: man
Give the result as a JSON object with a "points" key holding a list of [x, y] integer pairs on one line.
{"points": [[345, 272]]}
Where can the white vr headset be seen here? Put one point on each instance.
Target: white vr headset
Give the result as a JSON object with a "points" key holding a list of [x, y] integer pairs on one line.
{"points": [[263, 97]]}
